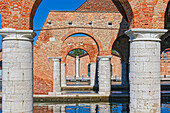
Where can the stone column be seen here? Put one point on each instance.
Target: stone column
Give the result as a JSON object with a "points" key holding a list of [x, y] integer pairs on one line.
{"points": [[63, 74], [145, 70], [57, 109], [104, 108], [92, 73], [92, 108], [63, 108], [125, 73], [56, 76], [17, 78], [77, 66], [104, 75]]}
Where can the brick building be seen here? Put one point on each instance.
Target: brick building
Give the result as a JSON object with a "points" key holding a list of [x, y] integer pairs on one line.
{"points": [[97, 23], [105, 22]]}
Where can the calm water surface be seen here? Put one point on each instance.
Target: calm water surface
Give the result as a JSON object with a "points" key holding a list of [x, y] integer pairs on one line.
{"points": [[89, 108]]}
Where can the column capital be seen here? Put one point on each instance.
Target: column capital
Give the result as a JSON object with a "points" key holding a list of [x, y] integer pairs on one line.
{"points": [[13, 34], [109, 56], [139, 34], [104, 57]]}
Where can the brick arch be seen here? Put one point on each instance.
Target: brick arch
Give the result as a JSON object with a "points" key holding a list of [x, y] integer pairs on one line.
{"points": [[98, 42], [64, 56], [125, 9], [111, 45], [151, 17], [33, 11], [119, 48], [166, 14]]}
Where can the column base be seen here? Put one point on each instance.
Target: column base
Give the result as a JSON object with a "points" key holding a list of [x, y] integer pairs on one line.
{"points": [[54, 93]]}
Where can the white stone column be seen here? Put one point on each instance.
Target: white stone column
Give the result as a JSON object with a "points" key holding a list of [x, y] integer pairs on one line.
{"points": [[57, 109], [92, 108], [17, 76], [63, 108], [104, 75], [56, 76], [92, 73], [63, 74], [104, 108], [77, 67], [145, 70], [125, 73]]}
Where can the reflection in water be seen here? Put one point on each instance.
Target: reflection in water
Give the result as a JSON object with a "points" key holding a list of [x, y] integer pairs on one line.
{"points": [[87, 108], [81, 108]]}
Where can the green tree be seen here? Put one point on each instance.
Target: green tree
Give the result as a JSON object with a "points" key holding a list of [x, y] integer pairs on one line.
{"points": [[115, 52], [77, 52]]}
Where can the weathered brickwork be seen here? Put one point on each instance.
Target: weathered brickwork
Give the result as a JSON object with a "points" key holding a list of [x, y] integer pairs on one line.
{"points": [[57, 42], [141, 14], [71, 66], [116, 66], [102, 23]]}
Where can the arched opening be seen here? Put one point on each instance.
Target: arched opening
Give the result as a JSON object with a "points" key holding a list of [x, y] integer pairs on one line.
{"points": [[81, 41], [167, 17], [115, 68], [165, 66], [120, 61], [84, 34], [77, 67]]}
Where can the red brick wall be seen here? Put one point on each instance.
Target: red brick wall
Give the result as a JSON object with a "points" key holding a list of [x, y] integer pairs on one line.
{"points": [[98, 5], [70, 66], [141, 13], [96, 44], [116, 66], [84, 62]]}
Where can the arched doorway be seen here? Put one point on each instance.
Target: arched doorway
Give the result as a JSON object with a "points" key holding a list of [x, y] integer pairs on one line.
{"points": [[77, 67]]}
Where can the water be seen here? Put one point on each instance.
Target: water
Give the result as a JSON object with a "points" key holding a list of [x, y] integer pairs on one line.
{"points": [[88, 108]]}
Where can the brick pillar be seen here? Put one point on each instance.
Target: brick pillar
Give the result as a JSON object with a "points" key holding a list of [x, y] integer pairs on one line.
{"points": [[125, 73], [17, 76], [63, 74], [104, 75], [56, 76], [145, 70], [92, 73]]}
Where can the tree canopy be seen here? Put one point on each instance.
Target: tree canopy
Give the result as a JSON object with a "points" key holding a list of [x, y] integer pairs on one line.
{"points": [[77, 52]]}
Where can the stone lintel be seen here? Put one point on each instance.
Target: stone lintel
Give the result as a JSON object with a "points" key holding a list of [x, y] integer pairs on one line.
{"points": [[109, 56], [13, 34], [140, 34], [55, 59], [63, 63]]}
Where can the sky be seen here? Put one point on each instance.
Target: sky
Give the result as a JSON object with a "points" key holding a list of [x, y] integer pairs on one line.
{"points": [[47, 5], [44, 8]]}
